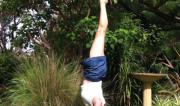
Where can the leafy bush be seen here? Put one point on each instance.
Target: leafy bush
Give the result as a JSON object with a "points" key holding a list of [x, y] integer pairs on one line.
{"points": [[9, 64], [46, 82], [132, 48]]}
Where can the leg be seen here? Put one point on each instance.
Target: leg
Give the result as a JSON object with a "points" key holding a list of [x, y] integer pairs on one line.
{"points": [[97, 48]]}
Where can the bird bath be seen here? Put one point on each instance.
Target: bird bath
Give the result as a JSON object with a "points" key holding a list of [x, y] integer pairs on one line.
{"points": [[147, 79]]}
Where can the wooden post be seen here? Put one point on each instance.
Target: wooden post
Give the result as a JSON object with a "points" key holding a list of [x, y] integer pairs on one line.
{"points": [[147, 94]]}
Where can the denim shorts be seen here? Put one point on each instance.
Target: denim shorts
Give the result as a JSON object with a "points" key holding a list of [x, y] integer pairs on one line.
{"points": [[95, 68]]}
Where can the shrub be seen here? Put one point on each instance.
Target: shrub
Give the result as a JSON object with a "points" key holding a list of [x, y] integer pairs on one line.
{"points": [[46, 82], [8, 65]]}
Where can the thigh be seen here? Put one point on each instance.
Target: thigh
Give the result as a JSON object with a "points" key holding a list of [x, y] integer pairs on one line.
{"points": [[97, 48]]}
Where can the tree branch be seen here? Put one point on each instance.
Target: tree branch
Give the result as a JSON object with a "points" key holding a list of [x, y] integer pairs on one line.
{"points": [[159, 13]]}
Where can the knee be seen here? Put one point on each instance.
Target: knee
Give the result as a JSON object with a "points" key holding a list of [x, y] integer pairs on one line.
{"points": [[102, 29], [97, 102]]}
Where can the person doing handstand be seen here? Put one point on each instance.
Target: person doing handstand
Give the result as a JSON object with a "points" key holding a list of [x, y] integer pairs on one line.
{"points": [[95, 66]]}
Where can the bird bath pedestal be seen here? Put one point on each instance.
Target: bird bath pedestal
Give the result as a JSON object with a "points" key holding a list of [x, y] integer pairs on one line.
{"points": [[147, 79]]}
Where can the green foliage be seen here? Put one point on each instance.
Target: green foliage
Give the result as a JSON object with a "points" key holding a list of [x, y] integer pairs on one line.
{"points": [[9, 5], [171, 7], [119, 45], [84, 32], [129, 46], [9, 65], [133, 42], [173, 100], [46, 82], [127, 91]]}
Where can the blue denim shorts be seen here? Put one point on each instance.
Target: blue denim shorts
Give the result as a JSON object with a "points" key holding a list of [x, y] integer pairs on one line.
{"points": [[95, 68]]}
